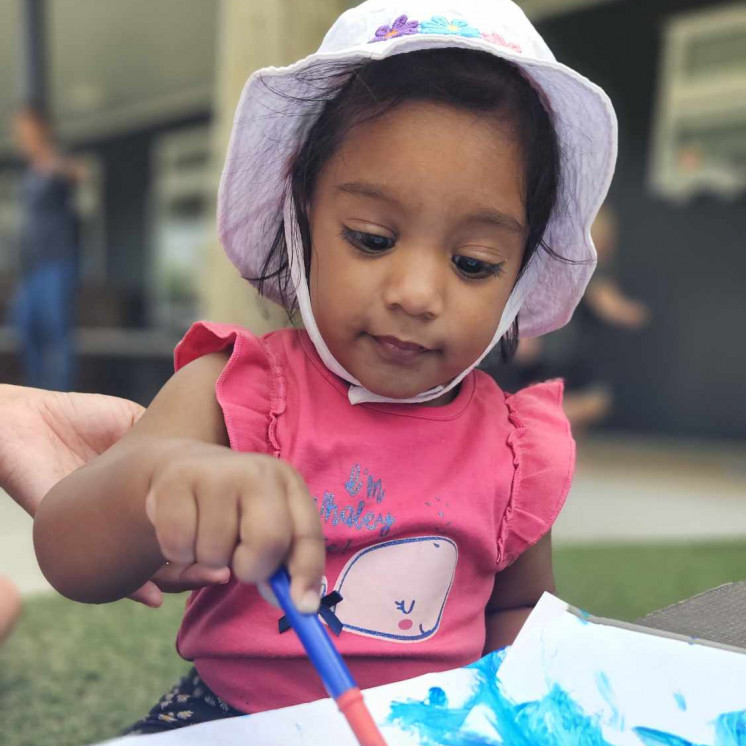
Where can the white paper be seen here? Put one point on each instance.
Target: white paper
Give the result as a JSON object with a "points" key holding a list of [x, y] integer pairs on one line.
{"points": [[628, 679], [604, 681]]}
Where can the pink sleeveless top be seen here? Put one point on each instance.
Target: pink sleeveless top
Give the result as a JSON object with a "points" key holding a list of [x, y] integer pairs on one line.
{"points": [[420, 507]]}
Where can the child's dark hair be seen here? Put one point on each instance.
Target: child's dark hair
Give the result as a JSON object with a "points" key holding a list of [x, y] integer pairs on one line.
{"points": [[476, 81]]}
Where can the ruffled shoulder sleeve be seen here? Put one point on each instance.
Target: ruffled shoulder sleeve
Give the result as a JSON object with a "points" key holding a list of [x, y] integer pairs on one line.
{"points": [[250, 390], [544, 463]]}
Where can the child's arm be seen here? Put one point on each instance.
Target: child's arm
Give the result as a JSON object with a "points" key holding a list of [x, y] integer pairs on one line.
{"points": [[171, 490], [517, 590]]}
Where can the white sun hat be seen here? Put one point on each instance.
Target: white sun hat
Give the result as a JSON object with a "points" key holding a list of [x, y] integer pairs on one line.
{"points": [[278, 106]]}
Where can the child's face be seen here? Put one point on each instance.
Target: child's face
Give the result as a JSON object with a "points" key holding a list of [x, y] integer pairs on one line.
{"points": [[418, 227]]}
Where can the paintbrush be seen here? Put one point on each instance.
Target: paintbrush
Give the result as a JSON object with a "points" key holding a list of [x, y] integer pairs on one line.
{"points": [[328, 663]]}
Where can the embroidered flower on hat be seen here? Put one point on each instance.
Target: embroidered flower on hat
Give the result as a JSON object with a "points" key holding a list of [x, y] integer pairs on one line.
{"points": [[402, 26], [498, 39], [454, 27]]}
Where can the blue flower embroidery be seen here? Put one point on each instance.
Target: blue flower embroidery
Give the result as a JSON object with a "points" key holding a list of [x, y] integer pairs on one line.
{"points": [[454, 27]]}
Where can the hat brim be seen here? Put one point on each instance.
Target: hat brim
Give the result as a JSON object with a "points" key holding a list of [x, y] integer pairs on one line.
{"points": [[279, 105]]}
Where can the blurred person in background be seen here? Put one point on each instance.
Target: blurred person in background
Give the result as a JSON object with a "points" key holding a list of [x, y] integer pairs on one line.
{"points": [[44, 305], [570, 353]]}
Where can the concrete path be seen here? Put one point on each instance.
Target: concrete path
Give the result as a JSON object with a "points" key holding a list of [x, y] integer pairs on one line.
{"points": [[17, 559], [626, 490], [655, 490]]}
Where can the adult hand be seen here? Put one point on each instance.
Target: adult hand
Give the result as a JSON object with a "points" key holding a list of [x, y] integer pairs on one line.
{"points": [[46, 435]]}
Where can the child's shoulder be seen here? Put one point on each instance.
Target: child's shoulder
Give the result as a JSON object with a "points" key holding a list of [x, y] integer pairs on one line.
{"points": [[543, 455], [541, 432], [250, 385], [532, 424], [538, 406], [205, 337]]}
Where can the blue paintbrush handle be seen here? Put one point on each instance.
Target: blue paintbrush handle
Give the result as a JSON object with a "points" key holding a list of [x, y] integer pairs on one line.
{"points": [[314, 638]]}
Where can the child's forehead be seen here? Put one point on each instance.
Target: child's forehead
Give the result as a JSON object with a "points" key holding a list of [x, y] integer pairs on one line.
{"points": [[423, 118], [420, 149]]}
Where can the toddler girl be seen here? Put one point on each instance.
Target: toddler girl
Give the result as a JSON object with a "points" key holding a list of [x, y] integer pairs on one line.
{"points": [[420, 190]]}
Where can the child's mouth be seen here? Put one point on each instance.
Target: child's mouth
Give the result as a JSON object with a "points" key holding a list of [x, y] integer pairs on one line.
{"points": [[398, 350]]}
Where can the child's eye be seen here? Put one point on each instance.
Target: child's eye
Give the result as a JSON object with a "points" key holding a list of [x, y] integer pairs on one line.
{"points": [[373, 243], [476, 268]]}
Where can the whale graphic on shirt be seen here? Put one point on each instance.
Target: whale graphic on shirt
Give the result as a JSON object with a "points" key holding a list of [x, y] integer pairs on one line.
{"points": [[397, 590]]}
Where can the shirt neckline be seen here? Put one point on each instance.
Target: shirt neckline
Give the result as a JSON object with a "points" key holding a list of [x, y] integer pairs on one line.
{"points": [[448, 411]]}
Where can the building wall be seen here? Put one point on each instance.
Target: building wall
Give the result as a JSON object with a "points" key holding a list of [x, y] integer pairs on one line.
{"points": [[686, 374]]}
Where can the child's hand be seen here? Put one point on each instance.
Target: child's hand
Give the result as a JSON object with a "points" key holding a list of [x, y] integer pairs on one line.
{"points": [[217, 508], [173, 578]]}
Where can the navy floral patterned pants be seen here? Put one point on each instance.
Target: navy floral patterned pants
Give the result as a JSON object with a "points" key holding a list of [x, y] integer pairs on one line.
{"points": [[188, 703]]}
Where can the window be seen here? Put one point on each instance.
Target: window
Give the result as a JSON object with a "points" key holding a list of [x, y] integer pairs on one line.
{"points": [[699, 140], [183, 225], [90, 209]]}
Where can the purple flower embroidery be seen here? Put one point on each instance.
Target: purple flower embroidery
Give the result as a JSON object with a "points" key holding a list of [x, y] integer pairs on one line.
{"points": [[454, 27], [498, 39], [402, 26]]}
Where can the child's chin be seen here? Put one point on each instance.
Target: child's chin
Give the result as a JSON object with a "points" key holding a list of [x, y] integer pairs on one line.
{"points": [[394, 390]]}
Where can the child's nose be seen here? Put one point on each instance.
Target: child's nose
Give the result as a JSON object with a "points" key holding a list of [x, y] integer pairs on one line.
{"points": [[416, 284]]}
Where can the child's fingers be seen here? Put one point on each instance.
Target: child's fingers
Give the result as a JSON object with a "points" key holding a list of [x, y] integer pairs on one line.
{"points": [[217, 529], [176, 578], [148, 595], [264, 530], [172, 510], [307, 552]]}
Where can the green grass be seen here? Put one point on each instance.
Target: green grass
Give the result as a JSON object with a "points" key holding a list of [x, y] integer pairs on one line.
{"points": [[628, 581], [73, 674]]}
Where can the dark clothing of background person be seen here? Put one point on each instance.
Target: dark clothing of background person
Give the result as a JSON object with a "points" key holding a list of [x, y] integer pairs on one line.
{"points": [[43, 309]]}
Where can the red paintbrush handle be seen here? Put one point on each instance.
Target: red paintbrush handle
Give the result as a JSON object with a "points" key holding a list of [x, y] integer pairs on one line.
{"points": [[352, 706]]}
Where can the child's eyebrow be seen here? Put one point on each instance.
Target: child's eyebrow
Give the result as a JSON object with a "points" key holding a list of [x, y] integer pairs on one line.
{"points": [[364, 189], [497, 218], [489, 215]]}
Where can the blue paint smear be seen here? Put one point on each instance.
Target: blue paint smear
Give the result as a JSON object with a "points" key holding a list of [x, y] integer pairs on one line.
{"points": [[680, 701], [604, 687], [730, 729], [650, 737], [554, 720]]}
